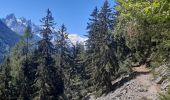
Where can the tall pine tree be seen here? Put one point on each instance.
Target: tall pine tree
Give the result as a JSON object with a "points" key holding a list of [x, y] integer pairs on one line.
{"points": [[28, 66], [65, 58], [49, 79], [6, 86], [103, 59]]}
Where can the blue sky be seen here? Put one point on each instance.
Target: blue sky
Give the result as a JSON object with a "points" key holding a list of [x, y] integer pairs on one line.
{"points": [[73, 13]]}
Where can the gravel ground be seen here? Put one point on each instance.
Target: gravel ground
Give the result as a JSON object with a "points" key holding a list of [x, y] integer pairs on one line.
{"points": [[143, 87]]}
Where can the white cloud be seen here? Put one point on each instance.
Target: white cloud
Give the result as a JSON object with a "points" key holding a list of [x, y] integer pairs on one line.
{"points": [[77, 38]]}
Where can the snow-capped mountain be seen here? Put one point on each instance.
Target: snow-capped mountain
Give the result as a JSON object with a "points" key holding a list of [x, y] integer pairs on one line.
{"points": [[18, 25], [8, 39], [77, 38]]}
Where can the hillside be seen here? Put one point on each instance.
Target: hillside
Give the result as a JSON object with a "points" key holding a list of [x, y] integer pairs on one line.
{"points": [[8, 38], [143, 86]]}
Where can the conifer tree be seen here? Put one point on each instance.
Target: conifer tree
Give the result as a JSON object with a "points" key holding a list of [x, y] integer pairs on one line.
{"points": [[8, 87], [6, 81], [104, 58], [49, 79], [79, 82], [92, 45], [79, 58], [17, 59], [28, 69], [65, 58], [92, 27]]}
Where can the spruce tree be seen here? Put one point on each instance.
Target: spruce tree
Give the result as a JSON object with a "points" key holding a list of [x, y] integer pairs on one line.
{"points": [[104, 59], [8, 88], [92, 45], [79, 82], [65, 58], [6, 81], [79, 56], [49, 79], [28, 69], [93, 28]]}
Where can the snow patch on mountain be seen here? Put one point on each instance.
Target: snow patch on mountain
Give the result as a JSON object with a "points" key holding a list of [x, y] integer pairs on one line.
{"points": [[77, 38]]}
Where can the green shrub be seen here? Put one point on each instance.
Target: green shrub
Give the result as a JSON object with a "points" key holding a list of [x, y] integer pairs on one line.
{"points": [[165, 96]]}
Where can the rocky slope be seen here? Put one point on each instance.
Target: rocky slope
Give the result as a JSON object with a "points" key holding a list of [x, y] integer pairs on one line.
{"points": [[146, 85], [8, 38], [140, 88]]}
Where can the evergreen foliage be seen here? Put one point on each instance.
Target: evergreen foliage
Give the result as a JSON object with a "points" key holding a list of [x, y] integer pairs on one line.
{"points": [[101, 49], [49, 80], [6, 85]]}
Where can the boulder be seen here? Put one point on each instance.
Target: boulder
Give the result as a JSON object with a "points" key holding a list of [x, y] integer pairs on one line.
{"points": [[165, 84], [159, 80]]}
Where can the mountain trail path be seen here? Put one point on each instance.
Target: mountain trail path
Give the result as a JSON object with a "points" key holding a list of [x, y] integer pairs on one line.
{"points": [[142, 87], [147, 79]]}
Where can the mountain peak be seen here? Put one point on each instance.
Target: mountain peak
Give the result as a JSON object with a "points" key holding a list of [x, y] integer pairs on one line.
{"points": [[19, 24], [10, 16]]}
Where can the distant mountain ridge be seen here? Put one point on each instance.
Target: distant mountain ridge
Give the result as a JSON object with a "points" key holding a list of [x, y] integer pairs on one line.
{"points": [[18, 25], [77, 38], [12, 28]]}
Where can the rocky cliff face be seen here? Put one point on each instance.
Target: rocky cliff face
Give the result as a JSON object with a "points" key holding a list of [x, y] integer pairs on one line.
{"points": [[18, 25], [8, 38]]}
